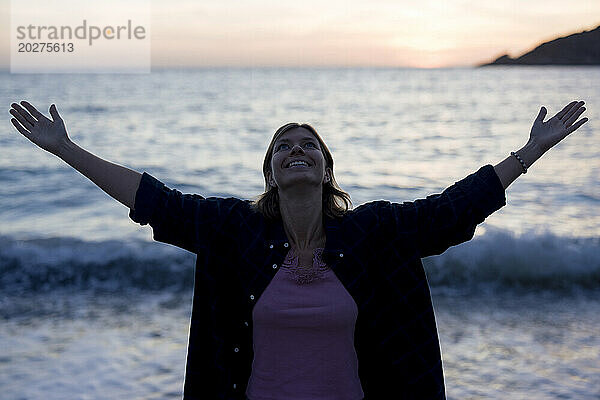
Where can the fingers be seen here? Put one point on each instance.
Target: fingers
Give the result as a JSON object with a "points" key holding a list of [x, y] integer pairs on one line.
{"points": [[23, 131], [577, 125], [22, 116], [571, 111], [542, 114], [574, 116], [54, 113], [32, 110], [562, 112]]}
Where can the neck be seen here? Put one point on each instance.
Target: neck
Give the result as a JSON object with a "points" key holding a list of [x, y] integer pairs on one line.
{"points": [[302, 215]]}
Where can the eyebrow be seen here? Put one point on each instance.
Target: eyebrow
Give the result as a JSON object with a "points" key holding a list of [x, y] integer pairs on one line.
{"points": [[286, 140]]}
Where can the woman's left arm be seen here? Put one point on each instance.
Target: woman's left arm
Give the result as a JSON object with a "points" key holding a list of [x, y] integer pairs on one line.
{"points": [[543, 136]]}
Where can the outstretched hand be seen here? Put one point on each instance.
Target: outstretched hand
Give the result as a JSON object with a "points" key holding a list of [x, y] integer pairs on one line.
{"points": [[47, 134], [547, 134]]}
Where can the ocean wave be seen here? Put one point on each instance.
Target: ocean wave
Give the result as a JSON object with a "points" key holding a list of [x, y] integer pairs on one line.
{"points": [[39, 265], [495, 259], [533, 260]]}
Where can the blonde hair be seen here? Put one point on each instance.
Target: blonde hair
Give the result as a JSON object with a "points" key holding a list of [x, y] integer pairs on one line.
{"points": [[336, 202]]}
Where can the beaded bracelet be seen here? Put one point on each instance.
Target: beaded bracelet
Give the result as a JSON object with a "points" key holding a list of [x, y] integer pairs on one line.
{"points": [[512, 153]]}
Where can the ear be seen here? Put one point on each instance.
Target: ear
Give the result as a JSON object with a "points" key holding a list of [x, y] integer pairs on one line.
{"points": [[270, 179], [327, 175]]}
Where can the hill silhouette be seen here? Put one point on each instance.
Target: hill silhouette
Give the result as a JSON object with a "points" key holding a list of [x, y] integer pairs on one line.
{"points": [[581, 48]]}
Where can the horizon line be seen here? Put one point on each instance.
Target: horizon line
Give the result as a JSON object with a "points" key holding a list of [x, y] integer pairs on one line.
{"points": [[200, 67]]}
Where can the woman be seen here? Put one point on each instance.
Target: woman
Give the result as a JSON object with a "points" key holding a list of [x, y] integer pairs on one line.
{"points": [[296, 296]]}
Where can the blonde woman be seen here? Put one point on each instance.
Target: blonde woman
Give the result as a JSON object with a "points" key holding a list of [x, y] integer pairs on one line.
{"points": [[298, 296]]}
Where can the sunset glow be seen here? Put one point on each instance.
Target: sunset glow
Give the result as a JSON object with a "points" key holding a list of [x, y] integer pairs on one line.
{"points": [[424, 34]]}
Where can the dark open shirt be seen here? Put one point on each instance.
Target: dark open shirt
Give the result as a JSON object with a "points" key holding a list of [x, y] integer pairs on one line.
{"points": [[375, 250]]}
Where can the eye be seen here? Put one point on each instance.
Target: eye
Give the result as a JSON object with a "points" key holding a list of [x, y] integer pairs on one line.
{"points": [[312, 144], [283, 144]]}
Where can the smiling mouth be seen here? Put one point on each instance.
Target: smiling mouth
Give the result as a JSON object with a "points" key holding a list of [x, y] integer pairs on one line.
{"points": [[296, 164]]}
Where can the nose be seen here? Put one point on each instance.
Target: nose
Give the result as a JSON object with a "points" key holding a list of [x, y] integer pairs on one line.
{"points": [[297, 149]]}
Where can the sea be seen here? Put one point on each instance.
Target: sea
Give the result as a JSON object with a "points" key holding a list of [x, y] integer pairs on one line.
{"points": [[92, 308]]}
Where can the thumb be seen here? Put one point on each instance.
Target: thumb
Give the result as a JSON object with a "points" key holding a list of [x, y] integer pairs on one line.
{"points": [[54, 113], [541, 115]]}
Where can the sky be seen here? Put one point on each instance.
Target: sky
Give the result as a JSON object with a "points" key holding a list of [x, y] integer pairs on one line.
{"points": [[382, 33]]}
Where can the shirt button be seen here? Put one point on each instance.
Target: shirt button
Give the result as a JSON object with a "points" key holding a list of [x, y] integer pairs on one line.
{"points": [[236, 349], [271, 246], [274, 266], [341, 254], [285, 244], [251, 297], [246, 323]]}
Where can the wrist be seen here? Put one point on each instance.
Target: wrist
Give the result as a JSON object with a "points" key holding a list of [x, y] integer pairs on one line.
{"points": [[529, 153], [64, 148]]}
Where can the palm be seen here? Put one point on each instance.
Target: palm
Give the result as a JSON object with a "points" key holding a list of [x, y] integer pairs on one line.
{"points": [[47, 134], [548, 134]]}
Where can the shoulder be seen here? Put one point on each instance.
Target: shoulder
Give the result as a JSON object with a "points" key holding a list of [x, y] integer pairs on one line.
{"points": [[369, 210], [366, 216], [233, 207], [240, 216]]}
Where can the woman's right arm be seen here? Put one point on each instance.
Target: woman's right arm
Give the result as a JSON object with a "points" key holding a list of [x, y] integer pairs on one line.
{"points": [[119, 182]]}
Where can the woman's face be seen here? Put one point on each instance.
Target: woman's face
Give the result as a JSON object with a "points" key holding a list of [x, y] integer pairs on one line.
{"points": [[297, 144]]}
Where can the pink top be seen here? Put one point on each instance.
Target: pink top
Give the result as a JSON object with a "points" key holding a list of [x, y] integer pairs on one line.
{"points": [[304, 336]]}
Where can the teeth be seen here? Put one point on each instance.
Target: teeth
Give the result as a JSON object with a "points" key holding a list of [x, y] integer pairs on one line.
{"points": [[297, 163]]}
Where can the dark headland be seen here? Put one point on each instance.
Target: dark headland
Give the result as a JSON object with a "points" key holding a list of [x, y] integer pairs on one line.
{"points": [[581, 48]]}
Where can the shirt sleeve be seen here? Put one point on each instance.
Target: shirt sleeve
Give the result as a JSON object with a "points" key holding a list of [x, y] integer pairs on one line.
{"points": [[188, 221], [449, 218]]}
